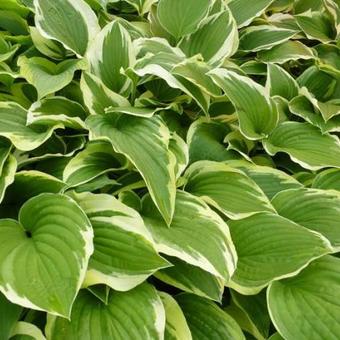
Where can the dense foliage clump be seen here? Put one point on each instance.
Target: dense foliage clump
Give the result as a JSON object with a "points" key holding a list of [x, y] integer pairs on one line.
{"points": [[169, 169]]}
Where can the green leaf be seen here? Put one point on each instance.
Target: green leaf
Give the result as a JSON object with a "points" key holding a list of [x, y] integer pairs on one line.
{"points": [[53, 110], [136, 314], [236, 141], [7, 50], [97, 96], [142, 6], [227, 189], [245, 12], [289, 50], [191, 279], [251, 313], [257, 115], [263, 37], [270, 180], [316, 25], [96, 159], [281, 83], [180, 18], [306, 306], [206, 320], [27, 184], [73, 23], [155, 65], [40, 236], [305, 145], [180, 149], [176, 327], [215, 40], [196, 71], [49, 48], [13, 126], [46, 76], [319, 83], [327, 179], [271, 247], [13, 23], [120, 241], [314, 209], [152, 157], [197, 235], [205, 140], [106, 63], [7, 174], [9, 315], [26, 329]]}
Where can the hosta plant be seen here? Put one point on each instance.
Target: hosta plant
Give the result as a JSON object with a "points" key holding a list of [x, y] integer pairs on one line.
{"points": [[170, 169]]}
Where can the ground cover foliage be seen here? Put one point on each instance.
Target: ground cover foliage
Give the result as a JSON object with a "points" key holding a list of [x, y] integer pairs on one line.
{"points": [[169, 169]]}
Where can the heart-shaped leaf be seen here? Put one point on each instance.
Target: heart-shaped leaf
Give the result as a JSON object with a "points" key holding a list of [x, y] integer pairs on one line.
{"points": [[44, 255]]}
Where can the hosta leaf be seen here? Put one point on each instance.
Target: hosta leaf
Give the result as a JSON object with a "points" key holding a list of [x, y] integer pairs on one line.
{"points": [[314, 209], [155, 45], [6, 50], [180, 18], [54, 110], [5, 149], [270, 180], [191, 279], [236, 141], [97, 96], [73, 23], [105, 62], [251, 313], [40, 236], [46, 76], [205, 140], [207, 320], [281, 83], [135, 111], [271, 247], [7, 174], [289, 50], [226, 189], [305, 145], [28, 184], [157, 67], [307, 305], [143, 6], [215, 40], [180, 149], [9, 315], [124, 254], [50, 48], [213, 252], [319, 83], [137, 314], [151, 157], [96, 159], [244, 12], [24, 330], [263, 37], [316, 25], [13, 23], [13, 126], [327, 179], [176, 327], [256, 111], [196, 72], [13, 5]]}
